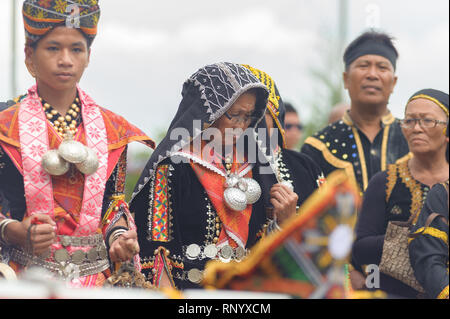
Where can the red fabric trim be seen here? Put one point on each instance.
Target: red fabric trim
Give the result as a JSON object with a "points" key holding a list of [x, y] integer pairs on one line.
{"points": [[14, 155]]}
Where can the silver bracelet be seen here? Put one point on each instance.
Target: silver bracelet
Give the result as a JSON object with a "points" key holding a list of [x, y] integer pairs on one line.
{"points": [[116, 234], [3, 225]]}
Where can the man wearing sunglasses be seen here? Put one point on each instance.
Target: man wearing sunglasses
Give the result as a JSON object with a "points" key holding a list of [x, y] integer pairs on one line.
{"points": [[293, 127]]}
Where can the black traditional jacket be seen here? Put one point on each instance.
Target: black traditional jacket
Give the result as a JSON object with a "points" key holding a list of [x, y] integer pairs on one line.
{"points": [[173, 211], [429, 249], [342, 145], [392, 195]]}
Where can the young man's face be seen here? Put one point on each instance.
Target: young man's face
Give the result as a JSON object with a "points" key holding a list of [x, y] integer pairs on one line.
{"points": [[59, 59]]}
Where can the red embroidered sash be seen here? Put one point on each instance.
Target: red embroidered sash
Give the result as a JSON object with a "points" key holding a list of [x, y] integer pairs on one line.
{"points": [[234, 224], [33, 133]]}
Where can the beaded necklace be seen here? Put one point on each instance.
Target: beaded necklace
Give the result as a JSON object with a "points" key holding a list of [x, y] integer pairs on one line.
{"points": [[62, 124]]}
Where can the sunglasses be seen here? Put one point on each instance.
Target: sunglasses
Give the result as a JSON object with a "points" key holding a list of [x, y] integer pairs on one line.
{"points": [[291, 126]]}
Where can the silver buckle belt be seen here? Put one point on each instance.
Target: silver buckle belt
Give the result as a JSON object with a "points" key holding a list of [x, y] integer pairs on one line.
{"points": [[78, 263], [86, 241]]}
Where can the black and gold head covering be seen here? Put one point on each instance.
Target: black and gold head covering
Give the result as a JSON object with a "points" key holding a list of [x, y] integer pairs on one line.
{"points": [[41, 16], [440, 98], [206, 96], [275, 104]]}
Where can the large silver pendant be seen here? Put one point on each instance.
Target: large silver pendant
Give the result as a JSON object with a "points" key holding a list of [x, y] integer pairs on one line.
{"points": [[241, 192], [54, 164], [253, 192], [72, 151], [231, 181], [57, 162], [235, 199], [90, 164]]}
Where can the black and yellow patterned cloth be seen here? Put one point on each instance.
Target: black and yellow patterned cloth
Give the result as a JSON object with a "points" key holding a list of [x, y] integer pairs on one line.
{"points": [[275, 104], [41, 16], [341, 145], [429, 251]]}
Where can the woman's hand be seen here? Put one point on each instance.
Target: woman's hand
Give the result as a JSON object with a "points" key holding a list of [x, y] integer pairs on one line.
{"points": [[357, 280], [125, 247], [284, 202], [42, 233]]}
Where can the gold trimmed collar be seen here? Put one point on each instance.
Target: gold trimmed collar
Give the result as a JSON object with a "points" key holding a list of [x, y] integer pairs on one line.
{"points": [[387, 119]]}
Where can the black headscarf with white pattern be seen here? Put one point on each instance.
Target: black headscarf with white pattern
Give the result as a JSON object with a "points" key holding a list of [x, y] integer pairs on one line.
{"points": [[206, 96]]}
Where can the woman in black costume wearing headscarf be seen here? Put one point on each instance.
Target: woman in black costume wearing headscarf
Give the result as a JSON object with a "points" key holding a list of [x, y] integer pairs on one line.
{"points": [[399, 193], [428, 247], [201, 198]]}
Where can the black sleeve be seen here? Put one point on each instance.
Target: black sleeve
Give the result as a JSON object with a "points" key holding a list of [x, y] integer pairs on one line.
{"points": [[307, 174], [110, 189], [371, 224], [429, 251], [11, 188], [317, 157]]}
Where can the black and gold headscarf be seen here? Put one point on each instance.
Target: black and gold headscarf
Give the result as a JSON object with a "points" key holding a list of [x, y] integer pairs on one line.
{"points": [[440, 98], [275, 104]]}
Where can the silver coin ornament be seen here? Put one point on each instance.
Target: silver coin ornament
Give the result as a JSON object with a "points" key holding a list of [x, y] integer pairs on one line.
{"points": [[226, 252], [253, 192], [195, 276], [90, 164], [54, 164], [239, 253], [235, 199], [72, 151], [193, 251], [210, 251]]}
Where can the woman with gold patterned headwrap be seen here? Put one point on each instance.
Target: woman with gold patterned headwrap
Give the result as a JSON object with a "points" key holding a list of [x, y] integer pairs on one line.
{"points": [[292, 168], [399, 193], [63, 157]]}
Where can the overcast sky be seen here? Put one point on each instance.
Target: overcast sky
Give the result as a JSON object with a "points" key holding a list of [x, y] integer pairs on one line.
{"points": [[146, 49]]}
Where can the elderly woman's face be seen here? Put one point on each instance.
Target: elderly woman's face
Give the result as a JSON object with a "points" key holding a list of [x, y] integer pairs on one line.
{"points": [[239, 116], [425, 140]]}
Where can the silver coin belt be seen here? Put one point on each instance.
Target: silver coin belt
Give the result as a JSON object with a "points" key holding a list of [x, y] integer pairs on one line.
{"points": [[224, 254], [67, 265], [196, 252]]}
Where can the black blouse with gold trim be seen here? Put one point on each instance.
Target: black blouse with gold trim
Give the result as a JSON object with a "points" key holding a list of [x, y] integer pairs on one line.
{"points": [[392, 195], [429, 251], [342, 145]]}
